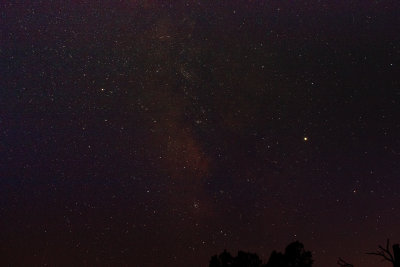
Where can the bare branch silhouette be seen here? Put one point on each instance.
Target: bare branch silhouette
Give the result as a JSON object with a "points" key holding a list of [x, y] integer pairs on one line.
{"points": [[343, 263], [387, 255]]}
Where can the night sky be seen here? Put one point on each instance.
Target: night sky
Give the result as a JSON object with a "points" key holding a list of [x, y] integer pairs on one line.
{"points": [[159, 133]]}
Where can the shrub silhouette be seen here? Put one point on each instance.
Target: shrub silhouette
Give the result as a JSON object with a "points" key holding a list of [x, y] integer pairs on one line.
{"points": [[243, 259], [247, 259], [294, 256], [224, 259]]}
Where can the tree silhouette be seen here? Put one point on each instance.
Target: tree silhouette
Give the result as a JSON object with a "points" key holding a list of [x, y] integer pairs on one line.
{"points": [[276, 259], [294, 256], [386, 254], [224, 259], [243, 259], [247, 259]]}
